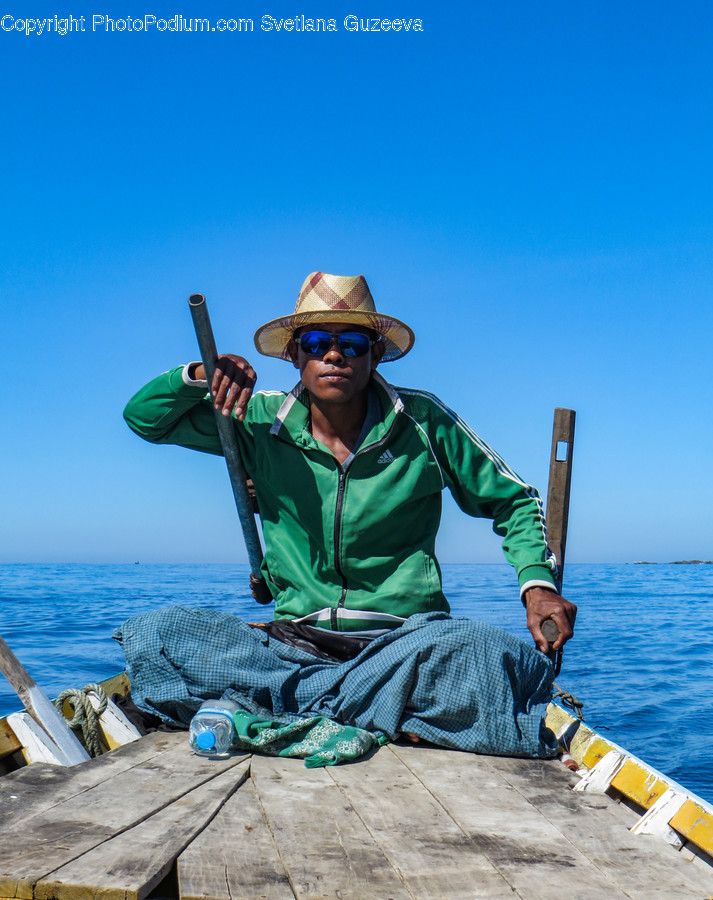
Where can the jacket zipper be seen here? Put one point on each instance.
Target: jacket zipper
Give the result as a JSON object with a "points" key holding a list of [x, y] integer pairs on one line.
{"points": [[337, 547], [334, 622]]}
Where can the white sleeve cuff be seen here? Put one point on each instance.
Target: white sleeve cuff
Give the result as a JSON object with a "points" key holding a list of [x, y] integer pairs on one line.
{"points": [[531, 584], [193, 382]]}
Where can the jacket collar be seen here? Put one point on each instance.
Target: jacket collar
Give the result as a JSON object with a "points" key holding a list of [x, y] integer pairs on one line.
{"points": [[292, 419]]}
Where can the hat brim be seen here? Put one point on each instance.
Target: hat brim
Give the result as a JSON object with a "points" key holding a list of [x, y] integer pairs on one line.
{"points": [[271, 339]]}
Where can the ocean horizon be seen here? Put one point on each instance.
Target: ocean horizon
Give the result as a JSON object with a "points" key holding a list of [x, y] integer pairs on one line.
{"points": [[640, 668]]}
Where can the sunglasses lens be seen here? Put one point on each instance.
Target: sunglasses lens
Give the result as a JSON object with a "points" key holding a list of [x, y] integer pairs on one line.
{"points": [[315, 342], [354, 344], [318, 343]]}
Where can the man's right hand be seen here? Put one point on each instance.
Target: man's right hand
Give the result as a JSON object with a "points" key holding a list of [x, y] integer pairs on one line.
{"points": [[233, 384]]}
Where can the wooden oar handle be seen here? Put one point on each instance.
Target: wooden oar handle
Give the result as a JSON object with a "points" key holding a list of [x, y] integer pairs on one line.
{"points": [[550, 630]]}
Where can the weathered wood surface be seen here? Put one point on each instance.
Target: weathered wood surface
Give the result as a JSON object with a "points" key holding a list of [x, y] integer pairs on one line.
{"points": [[8, 739], [58, 834], [559, 483], [427, 823], [9, 743], [37, 745], [641, 867], [432, 854], [520, 842], [235, 857], [35, 789], [36, 702], [544, 838], [133, 862], [323, 844], [407, 823]]}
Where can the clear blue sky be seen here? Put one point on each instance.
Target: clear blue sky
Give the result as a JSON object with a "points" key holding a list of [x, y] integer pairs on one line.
{"points": [[528, 185]]}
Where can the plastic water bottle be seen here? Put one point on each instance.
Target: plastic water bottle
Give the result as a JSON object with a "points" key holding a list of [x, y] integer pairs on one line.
{"points": [[212, 730]]}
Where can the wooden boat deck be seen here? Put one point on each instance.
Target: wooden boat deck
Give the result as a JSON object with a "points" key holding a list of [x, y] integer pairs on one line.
{"points": [[153, 819]]}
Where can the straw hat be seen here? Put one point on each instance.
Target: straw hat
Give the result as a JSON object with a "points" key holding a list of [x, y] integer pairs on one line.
{"points": [[344, 299]]}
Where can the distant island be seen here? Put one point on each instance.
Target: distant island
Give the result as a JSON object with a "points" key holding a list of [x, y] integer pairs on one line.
{"points": [[676, 562]]}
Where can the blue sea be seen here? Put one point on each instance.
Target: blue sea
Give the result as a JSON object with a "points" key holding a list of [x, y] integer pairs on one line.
{"points": [[641, 661]]}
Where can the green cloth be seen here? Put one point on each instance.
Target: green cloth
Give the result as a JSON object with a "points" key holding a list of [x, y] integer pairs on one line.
{"points": [[320, 741], [352, 546]]}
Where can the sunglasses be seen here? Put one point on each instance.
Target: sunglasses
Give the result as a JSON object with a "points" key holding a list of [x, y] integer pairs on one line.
{"points": [[349, 343]]}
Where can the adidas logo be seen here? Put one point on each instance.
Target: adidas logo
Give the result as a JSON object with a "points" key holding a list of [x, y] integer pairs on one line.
{"points": [[385, 458]]}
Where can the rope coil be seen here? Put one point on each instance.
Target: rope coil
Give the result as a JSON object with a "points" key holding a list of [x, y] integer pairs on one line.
{"points": [[569, 701], [84, 715]]}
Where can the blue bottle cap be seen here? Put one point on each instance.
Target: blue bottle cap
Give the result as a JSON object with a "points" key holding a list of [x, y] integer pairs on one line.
{"points": [[205, 740]]}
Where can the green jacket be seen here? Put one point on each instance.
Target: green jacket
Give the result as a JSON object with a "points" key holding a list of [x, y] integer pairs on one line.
{"points": [[352, 547]]}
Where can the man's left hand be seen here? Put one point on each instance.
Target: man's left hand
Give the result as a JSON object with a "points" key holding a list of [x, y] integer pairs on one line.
{"points": [[542, 604]]}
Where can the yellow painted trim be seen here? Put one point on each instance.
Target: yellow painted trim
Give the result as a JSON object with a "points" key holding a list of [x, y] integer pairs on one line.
{"points": [[108, 741], [580, 742], [586, 747], [635, 781], [117, 684], [639, 784], [695, 824], [8, 742], [557, 718], [597, 749]]}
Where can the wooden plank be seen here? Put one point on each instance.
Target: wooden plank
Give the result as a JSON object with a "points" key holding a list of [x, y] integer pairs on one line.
{"points": [[536, 859], [325, 849], [35, 789], [9, 743], [37, 745], [61, 833], [562, 722], [235, 856], [8, 739], [598, 778], [656, 820], [39, 705], [695, 824], [432, 854], [557, 719], [637, 783], [117, 684], [115, 727], [643, 868], [559, 484], [596, 750], [132, 863]]}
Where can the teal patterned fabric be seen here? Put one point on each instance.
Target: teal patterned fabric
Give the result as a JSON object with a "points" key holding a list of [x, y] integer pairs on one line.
{"points": [[320, 741], [457, 683]]}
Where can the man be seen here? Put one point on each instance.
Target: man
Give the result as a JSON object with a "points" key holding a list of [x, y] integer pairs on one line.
{"points": [[348, 473]]}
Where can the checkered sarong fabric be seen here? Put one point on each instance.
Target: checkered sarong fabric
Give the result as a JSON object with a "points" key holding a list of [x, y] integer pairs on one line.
{"points": [[454, 682]]}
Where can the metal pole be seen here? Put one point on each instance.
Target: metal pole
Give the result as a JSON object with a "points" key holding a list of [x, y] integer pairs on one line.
{"points": [[229, 443]]}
